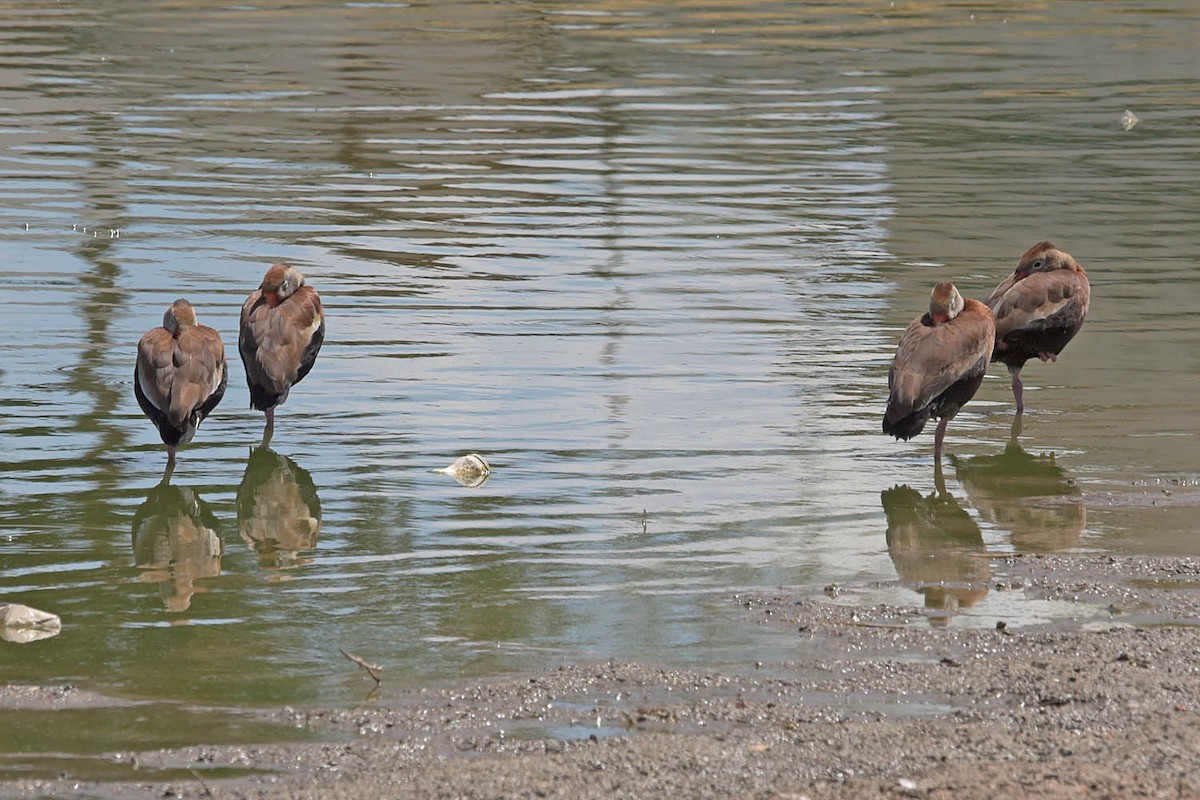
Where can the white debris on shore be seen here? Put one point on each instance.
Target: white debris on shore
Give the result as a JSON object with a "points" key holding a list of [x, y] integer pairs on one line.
{"points": [[23, 624]]}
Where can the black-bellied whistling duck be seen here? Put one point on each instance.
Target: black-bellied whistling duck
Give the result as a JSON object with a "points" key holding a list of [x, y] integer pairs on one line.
{"points": [[282, 328], [1038, 309], [940, 362], [180, 375]]}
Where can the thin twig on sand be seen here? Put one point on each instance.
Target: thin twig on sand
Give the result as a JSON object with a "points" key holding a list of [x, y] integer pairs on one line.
{"points": [[372, 669], [207, 791]]}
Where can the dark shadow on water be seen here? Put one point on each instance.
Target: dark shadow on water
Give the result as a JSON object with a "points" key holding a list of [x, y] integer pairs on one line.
{"points": [[1029, 495], [278, 510], [936, 547], [176, 541]]}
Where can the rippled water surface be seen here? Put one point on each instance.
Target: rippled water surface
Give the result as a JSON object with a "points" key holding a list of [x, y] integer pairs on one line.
{"points": [[651, 260]]}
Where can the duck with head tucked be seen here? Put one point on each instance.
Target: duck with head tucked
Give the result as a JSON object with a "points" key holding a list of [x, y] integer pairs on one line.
{"points": [[282, 329], [1038, 310], [939, 364], [180, 376]]}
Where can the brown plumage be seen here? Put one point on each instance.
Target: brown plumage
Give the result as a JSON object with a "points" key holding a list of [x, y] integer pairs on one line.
{"points": [[180, 375], [1038, 309], [282, 328], [939, 364]]}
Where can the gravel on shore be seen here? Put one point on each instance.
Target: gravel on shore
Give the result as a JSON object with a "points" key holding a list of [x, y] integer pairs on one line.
{"points": [[887, 707]]}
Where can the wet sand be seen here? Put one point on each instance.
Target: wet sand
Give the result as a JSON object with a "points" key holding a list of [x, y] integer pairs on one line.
{"points": [[888, 708]]}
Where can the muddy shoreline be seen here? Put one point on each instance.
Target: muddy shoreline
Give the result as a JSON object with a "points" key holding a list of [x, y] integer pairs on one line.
{"points": [[890, 709]]}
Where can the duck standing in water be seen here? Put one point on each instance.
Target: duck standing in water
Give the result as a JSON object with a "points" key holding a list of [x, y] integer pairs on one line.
{"points": [[1038, 309], [282, 328], [939, 364], [180, 376]]}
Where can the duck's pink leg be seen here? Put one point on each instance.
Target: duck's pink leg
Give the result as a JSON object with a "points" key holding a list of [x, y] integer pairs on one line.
{"points": [[938, 435], [269, 429], [1018, 388]]}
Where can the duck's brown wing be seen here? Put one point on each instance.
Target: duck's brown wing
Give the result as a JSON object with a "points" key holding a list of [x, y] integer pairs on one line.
{"points": [[276, 343], [994, 298], [155, 371], [931, 359], [309, 320], [200, 372], [1043, 300]]}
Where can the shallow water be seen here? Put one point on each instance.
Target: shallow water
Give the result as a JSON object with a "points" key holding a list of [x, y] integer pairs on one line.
{"points": [[651, 262]]}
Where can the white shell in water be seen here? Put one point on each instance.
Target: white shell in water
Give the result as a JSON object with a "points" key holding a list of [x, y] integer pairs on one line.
{"points": [[22, 624], [471, 470]]}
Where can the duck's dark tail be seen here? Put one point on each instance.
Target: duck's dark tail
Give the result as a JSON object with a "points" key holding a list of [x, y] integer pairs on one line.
{"points": [[904, 423]]}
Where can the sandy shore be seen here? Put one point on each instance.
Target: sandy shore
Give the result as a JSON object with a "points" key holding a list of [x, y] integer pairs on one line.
{"points": [[890, 709]]}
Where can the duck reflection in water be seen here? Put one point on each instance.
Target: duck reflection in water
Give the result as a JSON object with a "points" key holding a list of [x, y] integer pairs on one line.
{"points": [[936, 547], [1029, 495], [176, 541], [279, 513]]}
